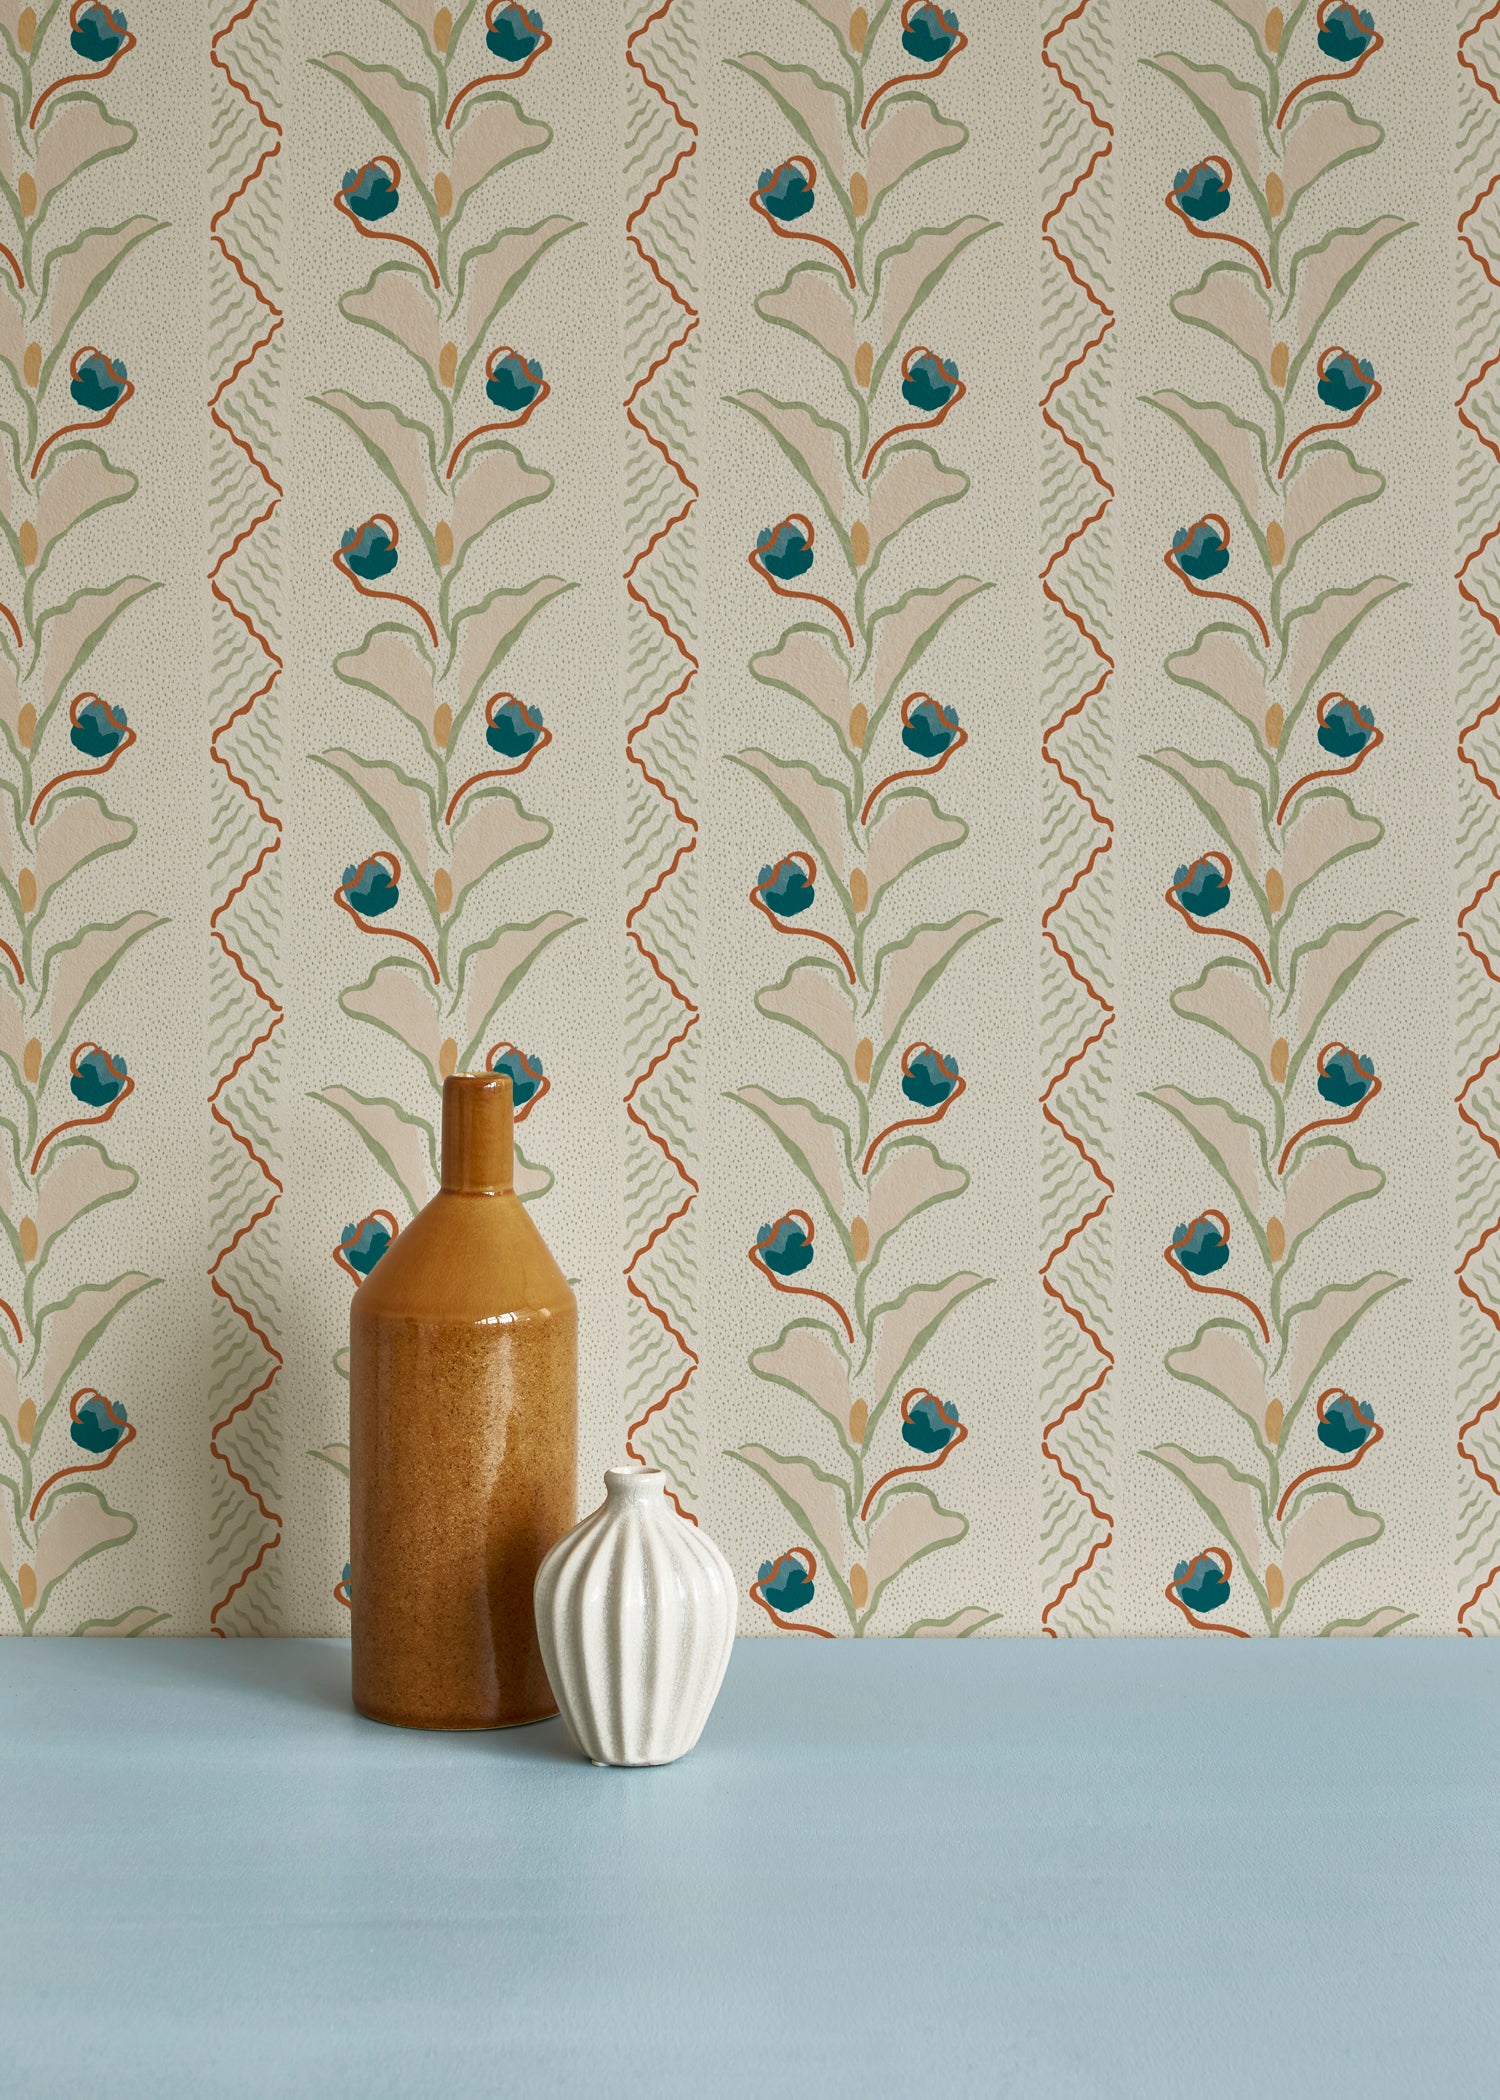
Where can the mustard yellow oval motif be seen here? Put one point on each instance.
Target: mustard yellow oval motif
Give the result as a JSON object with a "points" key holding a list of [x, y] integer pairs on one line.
{"points": [[443, 540], [1275, 194], [859, 1240], [31, 364], [26, 891], [26, 1422], [859, 890], [859, 195], [1275, 1239], [28, 540], [26, 28], [864, 1058], [1275, 1416], [442, 29], [442, 194], [448, 1057], [864, 364], [1275, 543], [1275, 723], [1280, 1053], [442, 890], [1275, 23], [31, 1061], [859, 1418], [26, 194], [859, 722], [859, 1586], [1275, 1587], [448, 363], [26, 1584], [442, 726], [1281, 357], [26, 1234], [859, 542], [859, 29], [1275, 889]]}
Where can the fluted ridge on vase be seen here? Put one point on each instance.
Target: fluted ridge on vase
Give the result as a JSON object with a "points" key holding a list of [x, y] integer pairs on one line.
{"points": [[635, 1612]]}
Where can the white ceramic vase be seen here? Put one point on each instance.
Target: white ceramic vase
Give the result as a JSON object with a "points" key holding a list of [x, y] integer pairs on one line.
{"points": [[635, 1611]]}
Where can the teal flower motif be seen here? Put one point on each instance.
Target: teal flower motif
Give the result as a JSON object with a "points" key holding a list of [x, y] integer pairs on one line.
{"points": [[97, 1078], [1344, 1078], [524, 1073], [785, 1247], [1200, 551], [931, 382], [97, 383], [1346, 34], [1345, 1424], [512, 382], [98, 729], [98, 35], [362, 1245], [1203, 889], [513, 729], [1345, 729], [1202, 192], [785, 1583], [370, 889], [1345, 383], [1201, 1247], [927, 1077], [787, 889], [371, 192], [1201, 1582], [929, 34], [98, 1424], [929, 729], [513, 34], [369, 551], [929, 1425], [784, 551], [787, 192]]}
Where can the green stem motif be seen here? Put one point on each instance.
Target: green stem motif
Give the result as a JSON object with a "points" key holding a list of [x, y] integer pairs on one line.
{"points": [[1277, 681], [60, 1432], [852, 840], [442, 794]]}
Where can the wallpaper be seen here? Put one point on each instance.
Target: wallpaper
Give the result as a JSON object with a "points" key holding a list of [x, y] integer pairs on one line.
{"points": [[896, 611]]}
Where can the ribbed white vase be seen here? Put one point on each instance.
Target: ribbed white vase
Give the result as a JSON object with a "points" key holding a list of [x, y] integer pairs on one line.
{"points": [[635, 1611]]}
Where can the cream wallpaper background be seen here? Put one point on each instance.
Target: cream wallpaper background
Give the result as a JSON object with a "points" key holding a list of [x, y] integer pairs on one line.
{"points": [[895, 610]]}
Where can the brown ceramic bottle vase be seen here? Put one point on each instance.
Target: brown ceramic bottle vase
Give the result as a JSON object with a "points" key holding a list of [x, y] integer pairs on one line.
{"points": [[463, 1432]]}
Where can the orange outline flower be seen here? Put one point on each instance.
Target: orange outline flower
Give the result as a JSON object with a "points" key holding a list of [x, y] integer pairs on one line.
{"points": [[88, 772]]}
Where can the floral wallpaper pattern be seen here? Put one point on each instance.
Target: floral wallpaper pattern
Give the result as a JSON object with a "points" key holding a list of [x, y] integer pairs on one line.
{"points": [[1287, 951], [64, 390], [860, 598]]}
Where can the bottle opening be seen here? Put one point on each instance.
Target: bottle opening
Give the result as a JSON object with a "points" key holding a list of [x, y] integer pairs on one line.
{"points": [[478, 1134]]}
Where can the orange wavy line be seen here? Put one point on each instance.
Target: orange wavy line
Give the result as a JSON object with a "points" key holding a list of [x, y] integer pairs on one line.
{"points": [[1468, 1631], [1055, 597], [1483, 779], [270, 846], [689, 845]]}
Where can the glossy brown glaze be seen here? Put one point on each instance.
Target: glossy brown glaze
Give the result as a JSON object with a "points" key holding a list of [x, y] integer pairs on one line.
{"points": [[463, 1430]]}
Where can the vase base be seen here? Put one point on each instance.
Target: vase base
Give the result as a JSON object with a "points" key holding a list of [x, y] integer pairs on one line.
{"points": [[454, 1727]]}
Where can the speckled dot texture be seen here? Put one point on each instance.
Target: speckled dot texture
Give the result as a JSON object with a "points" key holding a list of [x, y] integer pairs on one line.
{"points": [[713, 563]]}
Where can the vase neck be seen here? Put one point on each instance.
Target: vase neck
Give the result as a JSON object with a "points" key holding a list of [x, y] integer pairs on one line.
{"points": [[478, 1139], [634, 1487]]}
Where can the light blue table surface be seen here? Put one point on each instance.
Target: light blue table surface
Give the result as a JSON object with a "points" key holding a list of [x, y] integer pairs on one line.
{"points": [[1006, 1867]]}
